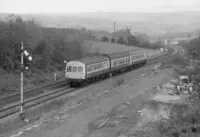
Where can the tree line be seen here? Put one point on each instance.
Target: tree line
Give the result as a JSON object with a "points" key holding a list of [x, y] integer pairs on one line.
{"points": [[132, 40], [48, 46]]}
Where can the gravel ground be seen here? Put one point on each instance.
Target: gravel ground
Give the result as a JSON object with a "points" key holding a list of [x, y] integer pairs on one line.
{"points": [[79, 122]]}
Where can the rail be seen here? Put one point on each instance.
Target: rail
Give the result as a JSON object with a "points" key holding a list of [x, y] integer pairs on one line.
{"points": [[28, 103], [38, 88]]}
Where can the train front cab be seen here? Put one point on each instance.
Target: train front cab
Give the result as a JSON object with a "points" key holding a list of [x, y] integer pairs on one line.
{"points": [[75, 72]]}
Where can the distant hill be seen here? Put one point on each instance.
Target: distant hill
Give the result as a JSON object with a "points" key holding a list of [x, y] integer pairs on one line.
{"points": [[153, 24]]}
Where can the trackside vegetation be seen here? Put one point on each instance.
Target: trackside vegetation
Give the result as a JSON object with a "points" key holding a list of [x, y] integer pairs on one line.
{"points": [[184, 118]]}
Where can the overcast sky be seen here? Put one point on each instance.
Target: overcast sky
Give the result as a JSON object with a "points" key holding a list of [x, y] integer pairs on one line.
{"points": [[68, 6]]}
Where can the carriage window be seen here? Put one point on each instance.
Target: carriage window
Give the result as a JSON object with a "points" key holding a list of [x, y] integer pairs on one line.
{"points": [[105, 64], [127, 61], [74, 69], [101, 65], [80, 69], [92, 67], [114, 63], [69, 68], [89, 68]]}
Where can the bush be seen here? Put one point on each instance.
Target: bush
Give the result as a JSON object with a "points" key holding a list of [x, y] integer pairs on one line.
{"points": [[149, 45], [113, 40], [183, 121], [193, 48], [121, 40], [105, 39], [119, 82], [9, 83], [177, 61]]}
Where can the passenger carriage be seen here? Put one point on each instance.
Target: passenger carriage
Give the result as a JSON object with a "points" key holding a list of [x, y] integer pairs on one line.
{"points": [[86, 69], [119, 61], [138, 58]]}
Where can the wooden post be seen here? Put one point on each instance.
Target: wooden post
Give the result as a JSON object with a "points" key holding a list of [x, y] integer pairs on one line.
{"points": [[110, 75], [54, 76]]}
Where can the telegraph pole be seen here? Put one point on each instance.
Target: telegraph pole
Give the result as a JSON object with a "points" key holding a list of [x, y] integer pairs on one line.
{"points": [[22, 75]]}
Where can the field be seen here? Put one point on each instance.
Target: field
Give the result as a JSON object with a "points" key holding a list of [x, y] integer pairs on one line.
{"points": [[106, 47], [91, 47]]}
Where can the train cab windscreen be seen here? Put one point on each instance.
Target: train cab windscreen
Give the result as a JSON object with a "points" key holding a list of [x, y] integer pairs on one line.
{"points": [[74, 69]]}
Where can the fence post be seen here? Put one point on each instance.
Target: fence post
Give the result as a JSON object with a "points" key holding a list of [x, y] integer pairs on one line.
{"points": [[54, 76], [110, 75]]}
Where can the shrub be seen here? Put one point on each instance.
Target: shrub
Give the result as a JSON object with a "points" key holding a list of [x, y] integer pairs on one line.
{"points": [[119, 82]]}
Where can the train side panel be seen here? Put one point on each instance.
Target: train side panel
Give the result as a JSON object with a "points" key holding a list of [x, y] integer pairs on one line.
{"points": [[120, 63], [119, 60], [94, 70], [138, 58]]}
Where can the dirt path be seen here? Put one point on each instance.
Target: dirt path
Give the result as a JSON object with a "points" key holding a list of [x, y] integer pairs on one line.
{"points": [[74, 123]]}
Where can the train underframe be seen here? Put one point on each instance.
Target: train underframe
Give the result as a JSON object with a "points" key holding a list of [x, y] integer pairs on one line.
{"points": [[81, 82]]}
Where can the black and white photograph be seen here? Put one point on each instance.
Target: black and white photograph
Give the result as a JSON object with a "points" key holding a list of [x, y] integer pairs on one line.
{"points": [[99, 68]]}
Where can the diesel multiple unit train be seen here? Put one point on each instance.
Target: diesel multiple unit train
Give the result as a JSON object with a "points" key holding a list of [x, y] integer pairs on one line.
{"points": [[90, 68]]}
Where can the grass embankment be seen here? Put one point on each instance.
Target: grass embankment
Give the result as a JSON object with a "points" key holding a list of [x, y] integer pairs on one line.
{"points": [[10, 83]]}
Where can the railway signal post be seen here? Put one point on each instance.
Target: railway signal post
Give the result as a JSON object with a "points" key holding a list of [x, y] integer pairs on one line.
{"points": [[22, 75]]}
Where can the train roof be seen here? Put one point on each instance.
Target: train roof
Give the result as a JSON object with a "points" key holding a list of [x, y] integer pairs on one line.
{"points": [[93, 59], [99, 58]]}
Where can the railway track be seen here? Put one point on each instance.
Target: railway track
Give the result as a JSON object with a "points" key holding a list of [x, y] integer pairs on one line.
{"points": [[30, 93], [37, 96], [34, 101]]}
